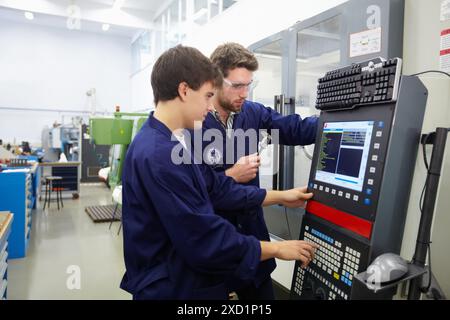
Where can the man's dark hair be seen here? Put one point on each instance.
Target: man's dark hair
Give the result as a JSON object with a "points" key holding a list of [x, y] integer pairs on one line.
{"points": [[181, 64], [232, 55]]}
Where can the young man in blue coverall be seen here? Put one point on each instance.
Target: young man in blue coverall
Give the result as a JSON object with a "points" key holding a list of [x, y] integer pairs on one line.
{"points": [[175, 246], [233, 111]]}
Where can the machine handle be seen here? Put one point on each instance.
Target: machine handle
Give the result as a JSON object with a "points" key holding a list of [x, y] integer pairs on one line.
{"points": [[276, 150], [281, 151], [278, 182]]}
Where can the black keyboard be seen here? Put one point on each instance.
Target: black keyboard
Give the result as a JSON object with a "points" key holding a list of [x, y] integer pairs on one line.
{"points": [[369, 82], [330, 275]]}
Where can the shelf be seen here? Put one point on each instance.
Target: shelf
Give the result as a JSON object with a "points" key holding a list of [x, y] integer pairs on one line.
{"points": [[413, 272], [16, 196], [3, 249], [3, 268], [6, 219], [4, 255], [3, 286]]}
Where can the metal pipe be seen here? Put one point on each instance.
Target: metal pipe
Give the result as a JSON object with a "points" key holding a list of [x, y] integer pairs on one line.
{"points": [[276, 149], [129, 114], [426, 220]]}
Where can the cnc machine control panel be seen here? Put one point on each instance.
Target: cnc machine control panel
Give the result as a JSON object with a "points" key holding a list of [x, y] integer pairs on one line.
{"points": [[364, 147]]}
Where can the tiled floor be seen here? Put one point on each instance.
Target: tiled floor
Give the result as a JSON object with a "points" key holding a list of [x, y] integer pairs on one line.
{"points": [[65, 244]]}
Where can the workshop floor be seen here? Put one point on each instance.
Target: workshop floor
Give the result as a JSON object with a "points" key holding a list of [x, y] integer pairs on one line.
{"points": [[67, 249]]}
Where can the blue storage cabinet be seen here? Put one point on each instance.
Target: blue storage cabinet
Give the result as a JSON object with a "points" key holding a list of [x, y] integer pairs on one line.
{"points": [[35, 184], [18, 195], [35, 178], [5, 231]]}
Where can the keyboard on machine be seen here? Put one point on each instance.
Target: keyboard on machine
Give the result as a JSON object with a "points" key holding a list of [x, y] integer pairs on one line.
{"points": [[372, 81], [336, 262]]}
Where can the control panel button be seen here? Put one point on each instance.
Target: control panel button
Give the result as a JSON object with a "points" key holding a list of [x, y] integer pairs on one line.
{"points": [[370, 182], [379, 134], [376, 146], [374, 157], [333, 191], [355, 197], [369, 191], [340, 194], [327, 189], [367, 201], [372, 169], [315, 186], [321, 188], [347, 195]]}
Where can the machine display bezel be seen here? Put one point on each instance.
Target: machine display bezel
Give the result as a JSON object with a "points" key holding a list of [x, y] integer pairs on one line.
{"points": [[344, 198]]}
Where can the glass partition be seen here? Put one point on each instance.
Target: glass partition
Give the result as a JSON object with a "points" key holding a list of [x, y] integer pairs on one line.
{"points": [[268, 77], [318, 51]]}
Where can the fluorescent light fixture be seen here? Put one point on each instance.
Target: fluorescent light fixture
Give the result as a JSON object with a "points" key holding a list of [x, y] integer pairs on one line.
{"points": [[29, 15], [118, 4], [105, 27]]}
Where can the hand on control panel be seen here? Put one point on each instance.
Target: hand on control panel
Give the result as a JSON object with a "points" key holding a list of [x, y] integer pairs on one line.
{"points": [[296, 250], [296, 198], [289, 250], [293, 198]]}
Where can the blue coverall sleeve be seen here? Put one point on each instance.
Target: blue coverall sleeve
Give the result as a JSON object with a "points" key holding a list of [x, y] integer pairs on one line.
{"points": [[293, 130], [205, 240], [227, 195]]}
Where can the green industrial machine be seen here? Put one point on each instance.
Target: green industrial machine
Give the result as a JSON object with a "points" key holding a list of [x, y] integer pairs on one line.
{"points": [[118, 132]]}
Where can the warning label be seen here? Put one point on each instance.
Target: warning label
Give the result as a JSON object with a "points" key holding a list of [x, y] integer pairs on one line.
{"points": [[444, 54]]}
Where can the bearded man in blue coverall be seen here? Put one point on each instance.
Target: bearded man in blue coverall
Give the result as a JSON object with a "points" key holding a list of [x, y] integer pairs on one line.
{"points": [[233, 112]]}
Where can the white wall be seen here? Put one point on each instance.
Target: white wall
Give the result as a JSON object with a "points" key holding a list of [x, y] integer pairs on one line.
{"points": [[249, 21], [141, 90], [245, 22], [52, 68], [421, 52]]}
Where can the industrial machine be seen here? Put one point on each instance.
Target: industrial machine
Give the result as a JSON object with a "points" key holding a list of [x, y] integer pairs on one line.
{"points": [[117, 132], [71, 142], [361, 174], [62, 139], [94, 157], [292, 61], [290, 64]]}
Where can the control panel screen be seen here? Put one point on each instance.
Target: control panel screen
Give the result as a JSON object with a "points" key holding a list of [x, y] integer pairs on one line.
{"points": [[344, 151]]}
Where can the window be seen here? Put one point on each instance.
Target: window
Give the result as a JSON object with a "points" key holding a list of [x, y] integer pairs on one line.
{"points": [[141, 51], [180, 18]]}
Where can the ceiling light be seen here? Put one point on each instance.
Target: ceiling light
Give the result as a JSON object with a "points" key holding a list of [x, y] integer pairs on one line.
{"points": [[29, 15], [105, 27], [118, 4]]}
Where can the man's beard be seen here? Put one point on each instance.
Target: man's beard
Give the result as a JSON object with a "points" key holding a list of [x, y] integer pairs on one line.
{"points": [[228, 105]]}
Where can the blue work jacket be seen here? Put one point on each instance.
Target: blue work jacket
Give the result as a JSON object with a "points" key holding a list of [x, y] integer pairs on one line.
{"points": [[175, 246], [292, 131]]}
